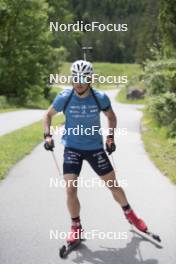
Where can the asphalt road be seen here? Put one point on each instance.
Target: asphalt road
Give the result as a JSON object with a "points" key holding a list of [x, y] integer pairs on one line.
{"points": [[31, 210], [11, 121]]}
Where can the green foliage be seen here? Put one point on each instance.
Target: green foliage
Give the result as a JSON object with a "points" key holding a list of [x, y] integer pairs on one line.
{"points": [[3, 101], [53, 93], [29, 52], [168, 26], [148, 32], [26, 54], [160, 80], [162, 149], [59, 11], [172, 128], [160, 76], [163, 109], [120, 47]]}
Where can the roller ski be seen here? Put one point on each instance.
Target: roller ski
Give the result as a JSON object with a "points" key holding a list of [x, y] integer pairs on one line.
{"points": [[140, 226], [73, 241]]}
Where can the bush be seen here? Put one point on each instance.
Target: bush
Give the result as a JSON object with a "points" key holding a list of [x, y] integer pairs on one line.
{"points": [[172, 129], [160, 77], [3, 102], [53, 92], [52, 95], [160, 80], [163, 109]]}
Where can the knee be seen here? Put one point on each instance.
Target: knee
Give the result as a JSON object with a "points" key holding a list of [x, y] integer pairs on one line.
{"points": [[71, 185], [71, 191]]}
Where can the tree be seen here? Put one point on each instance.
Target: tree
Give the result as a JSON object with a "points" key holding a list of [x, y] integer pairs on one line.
{"points": [[168, 26], [25, 48]]}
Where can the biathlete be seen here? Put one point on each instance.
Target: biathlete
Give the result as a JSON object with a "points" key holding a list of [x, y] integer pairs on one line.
{"points": [[82, 106]]}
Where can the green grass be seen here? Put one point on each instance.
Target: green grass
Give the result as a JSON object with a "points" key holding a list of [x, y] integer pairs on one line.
{"points": [[65, 68], [43, 104], [161, 149], [121, 98], [11, 109], [56, 90], [15, 145], [107, 69]]}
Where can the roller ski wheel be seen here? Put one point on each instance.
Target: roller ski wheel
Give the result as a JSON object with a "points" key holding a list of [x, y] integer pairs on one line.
{"points": [[66, 249], [62, 251], [73, 241]]}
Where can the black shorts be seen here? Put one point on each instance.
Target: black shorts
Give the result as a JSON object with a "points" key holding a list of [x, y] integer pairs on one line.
{"points": [[98, 159]]}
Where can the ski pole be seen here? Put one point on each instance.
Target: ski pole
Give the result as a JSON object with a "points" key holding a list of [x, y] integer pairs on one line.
{"points": [[113, 163], [55, 161]]}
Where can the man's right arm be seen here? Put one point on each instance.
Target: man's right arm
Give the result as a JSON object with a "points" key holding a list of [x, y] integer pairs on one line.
{"points": [[49, 142], [48, 118]]}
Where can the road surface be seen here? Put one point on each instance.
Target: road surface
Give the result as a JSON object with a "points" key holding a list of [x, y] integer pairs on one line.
{"points": [[11, 121], [31, 211]]}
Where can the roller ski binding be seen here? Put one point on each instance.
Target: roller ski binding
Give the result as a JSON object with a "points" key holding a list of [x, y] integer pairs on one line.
{"points": [[140, 225]]}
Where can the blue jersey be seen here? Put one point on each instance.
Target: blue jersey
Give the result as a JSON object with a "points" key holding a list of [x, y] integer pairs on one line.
{"points": [[82, 119]]}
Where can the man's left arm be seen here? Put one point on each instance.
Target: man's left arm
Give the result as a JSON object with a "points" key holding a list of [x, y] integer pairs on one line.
{"points": [[112, 120], [112, 124]]}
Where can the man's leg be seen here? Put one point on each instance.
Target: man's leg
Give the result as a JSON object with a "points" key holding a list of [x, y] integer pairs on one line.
{"points": [[117, 192], [119, 195], [72, 167], [73, 203], [102, 166]]}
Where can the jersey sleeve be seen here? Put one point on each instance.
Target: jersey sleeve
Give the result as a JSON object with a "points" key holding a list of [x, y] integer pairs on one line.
{"points": [[105, 103], [60, 100]]}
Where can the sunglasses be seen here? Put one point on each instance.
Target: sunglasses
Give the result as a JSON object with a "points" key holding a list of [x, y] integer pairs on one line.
{"points": [[81, 79]]}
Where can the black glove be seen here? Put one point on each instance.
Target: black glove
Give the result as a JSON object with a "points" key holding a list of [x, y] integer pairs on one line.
{"points": [[110, 145], [49, 142]]}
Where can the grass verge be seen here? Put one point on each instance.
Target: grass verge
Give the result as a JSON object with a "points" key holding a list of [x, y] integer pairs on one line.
{"points": [[161, 149], [17, 144], [11, 109], [121, 98]]}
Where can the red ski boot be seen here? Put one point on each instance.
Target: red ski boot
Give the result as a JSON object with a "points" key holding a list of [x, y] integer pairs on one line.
{"points": [[138, 223], [74, 234]]}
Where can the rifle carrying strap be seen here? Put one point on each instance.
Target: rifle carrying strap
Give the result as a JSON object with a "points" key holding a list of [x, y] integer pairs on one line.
{"points": [[68, 100], [94, 96]]}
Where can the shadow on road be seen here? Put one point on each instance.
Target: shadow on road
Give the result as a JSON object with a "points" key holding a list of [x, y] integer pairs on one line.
{"points": [[129, 255]]}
